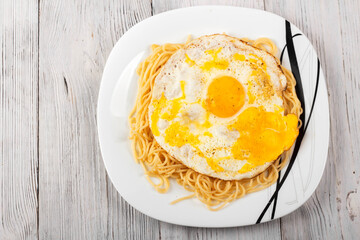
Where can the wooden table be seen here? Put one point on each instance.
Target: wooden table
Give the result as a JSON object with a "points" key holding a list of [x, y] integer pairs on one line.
{"points": [[53, 184]]}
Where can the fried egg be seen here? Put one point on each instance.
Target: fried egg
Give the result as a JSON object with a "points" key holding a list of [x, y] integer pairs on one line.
{"points": [[217, 106]]}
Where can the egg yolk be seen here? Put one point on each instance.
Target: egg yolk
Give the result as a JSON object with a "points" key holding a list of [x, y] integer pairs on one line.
{"points": [[172, 106], [158, 104], [175, 105], [215, 62], [225, 96], [263, 136], [178, 135]]}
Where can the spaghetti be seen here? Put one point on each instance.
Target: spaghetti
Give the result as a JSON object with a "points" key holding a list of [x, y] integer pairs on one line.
{"points": [[157, 163]]}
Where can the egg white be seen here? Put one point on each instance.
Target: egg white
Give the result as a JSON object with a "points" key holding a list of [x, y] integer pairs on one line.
{"points": [[194, 115]]}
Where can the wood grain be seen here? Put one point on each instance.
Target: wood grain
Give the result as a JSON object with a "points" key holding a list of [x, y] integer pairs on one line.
{"points": [[347, 169], [160, 6], [53, 184], [77, 201], [18, 119]]}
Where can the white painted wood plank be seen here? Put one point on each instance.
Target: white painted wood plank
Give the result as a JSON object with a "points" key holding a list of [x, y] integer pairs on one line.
{"points": [[18, 119], [77, 201], [333, 211], [160, 6], [266, 231], [348, 169]]}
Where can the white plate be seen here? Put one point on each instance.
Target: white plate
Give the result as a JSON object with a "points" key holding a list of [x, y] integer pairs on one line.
{"points": [[118, 91]]}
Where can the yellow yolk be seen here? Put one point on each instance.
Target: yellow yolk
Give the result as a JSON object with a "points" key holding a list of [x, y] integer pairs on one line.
{"points": [[216, 62], [209, 134], [240, 57], [263, 136], [158, 104], [171, 113], [189, 61], [175, 105], [178, 135], [214, 163], [225, 96]]}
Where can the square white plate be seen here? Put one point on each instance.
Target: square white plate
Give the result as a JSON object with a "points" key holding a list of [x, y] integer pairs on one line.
{"points": [[117, 94]]}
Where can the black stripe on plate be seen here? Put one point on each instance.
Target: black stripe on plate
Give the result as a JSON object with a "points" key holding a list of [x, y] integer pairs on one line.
{"points": [[279, 177], [300, 93]]}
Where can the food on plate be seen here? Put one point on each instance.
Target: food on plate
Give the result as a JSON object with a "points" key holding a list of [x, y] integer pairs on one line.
{"points": [[218, 114]]}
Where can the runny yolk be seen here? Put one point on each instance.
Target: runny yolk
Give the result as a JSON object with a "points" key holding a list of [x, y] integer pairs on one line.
{"points": [[225, 96], [263, 136]]}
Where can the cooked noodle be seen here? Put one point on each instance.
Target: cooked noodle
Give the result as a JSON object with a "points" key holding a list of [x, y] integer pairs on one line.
{"points": [[159, 166]]}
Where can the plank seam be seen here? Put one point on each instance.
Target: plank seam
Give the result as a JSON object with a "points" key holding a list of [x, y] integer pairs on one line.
{"points": [[347, 119], [38, 126]]}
